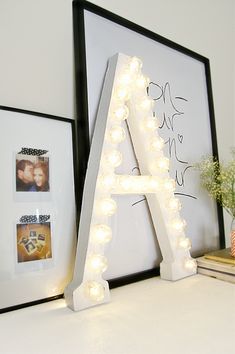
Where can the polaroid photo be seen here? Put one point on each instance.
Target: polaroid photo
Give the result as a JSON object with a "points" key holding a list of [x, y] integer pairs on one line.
{"points": [[32, 173], [33, 241], [33, 234], [41, 239], [30, 247]]}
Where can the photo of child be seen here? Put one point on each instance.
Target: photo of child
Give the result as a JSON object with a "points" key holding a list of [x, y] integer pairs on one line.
{"points": [[32, 173], [33, 241]]}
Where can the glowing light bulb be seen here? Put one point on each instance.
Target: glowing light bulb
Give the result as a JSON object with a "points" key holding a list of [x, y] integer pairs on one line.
{"points": [[156, 144], [95, 291], [125, 79], [185, 243], [135, 64], [150, 123], [145, 103], [106, 182], [154, 183], [120, 113], [174, 204], [169, 185], [179, 224], [163, 163], [113, 158], [97, 263], [142, 81], [116, 135], [107, 206], [125, 183], [122, 93], [190, 264], [101, 233]]}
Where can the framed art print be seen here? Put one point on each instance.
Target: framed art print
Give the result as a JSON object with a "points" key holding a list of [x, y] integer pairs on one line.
{"points": [[38, 206], [180, 86]]}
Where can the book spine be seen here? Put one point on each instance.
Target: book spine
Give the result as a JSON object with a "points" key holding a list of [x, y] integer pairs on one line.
{"points": [[218, 275]]}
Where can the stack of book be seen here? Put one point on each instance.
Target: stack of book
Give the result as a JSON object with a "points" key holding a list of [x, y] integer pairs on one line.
{"points": [[218, 264]]}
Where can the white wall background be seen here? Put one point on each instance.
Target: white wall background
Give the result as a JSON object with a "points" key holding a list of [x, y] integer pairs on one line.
{"points": [[36, 51]]}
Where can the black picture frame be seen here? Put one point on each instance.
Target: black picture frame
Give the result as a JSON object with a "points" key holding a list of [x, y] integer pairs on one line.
{"points": [[55, 130], [80, 8]]}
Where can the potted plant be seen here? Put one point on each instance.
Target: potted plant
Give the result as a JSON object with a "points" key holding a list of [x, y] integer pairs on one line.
{"points": [[219, 181]]}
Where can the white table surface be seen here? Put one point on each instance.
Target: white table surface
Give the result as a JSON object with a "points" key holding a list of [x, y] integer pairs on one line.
{"points": [[193, 315]]}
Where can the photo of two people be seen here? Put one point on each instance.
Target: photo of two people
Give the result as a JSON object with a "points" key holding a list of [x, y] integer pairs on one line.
{"points": [[32, 173]]}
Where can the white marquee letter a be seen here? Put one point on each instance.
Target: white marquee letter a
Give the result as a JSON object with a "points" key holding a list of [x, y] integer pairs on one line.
{"points": [[124, 97]]}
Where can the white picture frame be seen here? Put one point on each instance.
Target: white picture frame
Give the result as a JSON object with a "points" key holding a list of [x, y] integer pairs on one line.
{"points": [[38, 228]]}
